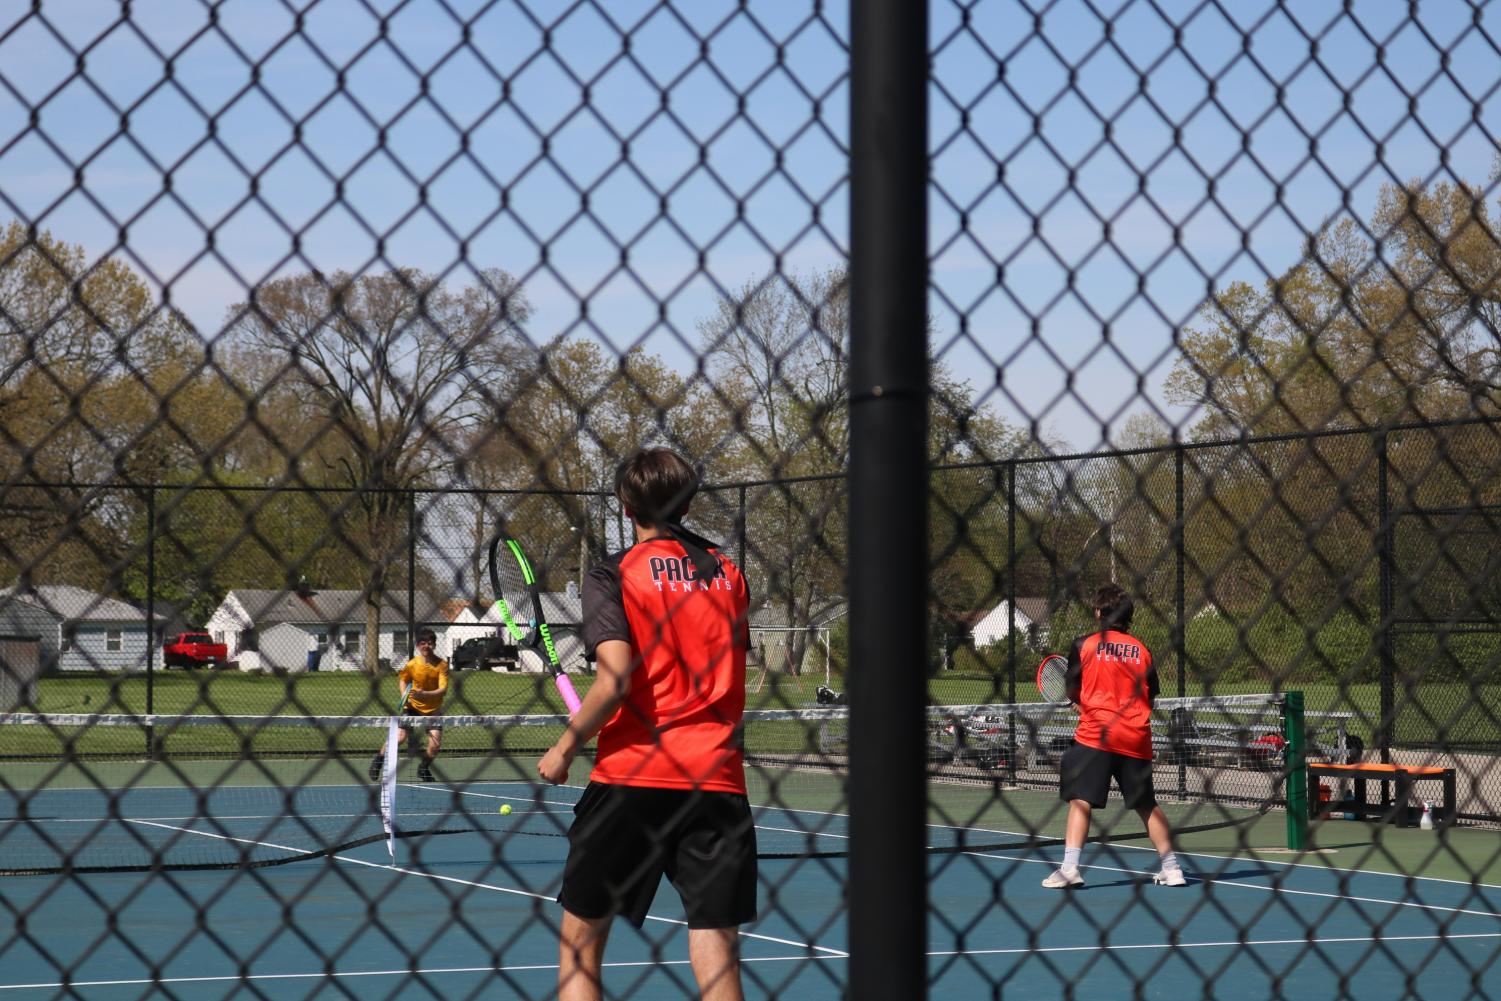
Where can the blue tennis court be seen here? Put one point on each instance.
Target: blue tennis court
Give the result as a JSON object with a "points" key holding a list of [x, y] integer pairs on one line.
{"points": [[475, 912]]}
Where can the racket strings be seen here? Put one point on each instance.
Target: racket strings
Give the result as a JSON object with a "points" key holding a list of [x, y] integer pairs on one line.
{"points": [[515, 593]]}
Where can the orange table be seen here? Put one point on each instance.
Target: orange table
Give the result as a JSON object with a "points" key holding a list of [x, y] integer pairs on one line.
{"points": [[1403, 775]]}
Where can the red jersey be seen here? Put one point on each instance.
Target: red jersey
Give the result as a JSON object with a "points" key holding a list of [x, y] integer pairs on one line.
{"points": [[1110, 676], [679, 726]]}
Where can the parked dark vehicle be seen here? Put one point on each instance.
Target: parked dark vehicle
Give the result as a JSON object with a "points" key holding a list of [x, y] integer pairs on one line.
{"points": [[483, 653]]}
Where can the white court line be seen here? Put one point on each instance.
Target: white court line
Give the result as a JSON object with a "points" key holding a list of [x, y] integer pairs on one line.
{"points": [[1227, 944], [443, 788], [1147, 848], [1419, 905], [1015, 834], [484, 886], [745, 961], [1252, 886]]}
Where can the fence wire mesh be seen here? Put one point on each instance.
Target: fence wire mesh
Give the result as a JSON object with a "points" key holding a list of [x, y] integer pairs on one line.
{"points": [[302, 304]]}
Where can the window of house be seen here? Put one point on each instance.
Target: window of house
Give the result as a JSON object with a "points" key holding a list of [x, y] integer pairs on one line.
{"points": [[352, 641], [399, 641], [66, 643], [322, 642], [114, 640]]}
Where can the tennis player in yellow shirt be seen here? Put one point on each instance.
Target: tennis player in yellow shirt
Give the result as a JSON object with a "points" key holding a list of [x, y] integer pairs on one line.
{"points": [[424, 682]]}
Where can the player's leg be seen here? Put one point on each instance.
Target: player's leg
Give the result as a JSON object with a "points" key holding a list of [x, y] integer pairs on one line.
{"points": [[613, 868], [711, 861], [1134, 776], [581, 957], [434, 742], [1083, 783], [377, 763], [715, 955]]}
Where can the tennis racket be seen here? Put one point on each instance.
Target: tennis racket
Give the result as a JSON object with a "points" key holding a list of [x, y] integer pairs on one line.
{"points": [[517, 598], [1052, 678]]}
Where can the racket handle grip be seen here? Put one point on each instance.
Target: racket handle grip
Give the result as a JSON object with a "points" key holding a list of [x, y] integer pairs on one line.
{"points": [[565, 689]]}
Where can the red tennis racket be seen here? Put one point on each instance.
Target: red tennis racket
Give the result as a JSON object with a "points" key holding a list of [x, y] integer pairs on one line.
{"points": [[1052, 678]]}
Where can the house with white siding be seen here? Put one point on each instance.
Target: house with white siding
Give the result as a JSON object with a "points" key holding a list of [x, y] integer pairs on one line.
{"points": [[283, 628], [279, 630], [563, 611], [994, 625], [773, 637], [77, 629]]}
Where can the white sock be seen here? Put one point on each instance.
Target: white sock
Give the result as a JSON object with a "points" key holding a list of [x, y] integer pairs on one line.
{"points": [[1071, 857], [1170, 860]]}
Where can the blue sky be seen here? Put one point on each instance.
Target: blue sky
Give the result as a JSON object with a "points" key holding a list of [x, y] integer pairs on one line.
{"points": [[431, 153]]}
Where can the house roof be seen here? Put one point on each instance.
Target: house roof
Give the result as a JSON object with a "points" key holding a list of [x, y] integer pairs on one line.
{"points": [[451, 609], [77, 604], [559, 608], [825, 612], [1036, 609], [267, 607]]}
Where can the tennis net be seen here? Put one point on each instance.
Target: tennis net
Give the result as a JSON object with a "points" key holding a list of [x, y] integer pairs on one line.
{"points": [[175, 792]]}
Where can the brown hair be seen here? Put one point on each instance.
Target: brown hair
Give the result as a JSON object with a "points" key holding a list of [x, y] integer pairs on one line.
{"points": [[1115, 607], [655, 485]]}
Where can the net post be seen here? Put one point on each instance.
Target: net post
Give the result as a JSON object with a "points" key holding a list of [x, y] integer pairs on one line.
{"points": [[1296, 770]]}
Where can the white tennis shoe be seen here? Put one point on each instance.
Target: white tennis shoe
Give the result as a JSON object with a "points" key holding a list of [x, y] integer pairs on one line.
{"points": [[1169, 877], [1063, 879]]}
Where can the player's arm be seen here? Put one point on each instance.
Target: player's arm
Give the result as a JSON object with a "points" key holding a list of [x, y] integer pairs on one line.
{"points": [[442, 686], [1073, 678], [409, 683], [612, 683], [1154, 686], [607, 634]]}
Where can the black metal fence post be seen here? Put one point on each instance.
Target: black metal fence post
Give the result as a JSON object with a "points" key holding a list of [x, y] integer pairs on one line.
{"points": [[1011, 742], [740, 531], [150, 615], [1180, 617], [1180, 545], [888, 489], [1385, 597], [411, 584]]}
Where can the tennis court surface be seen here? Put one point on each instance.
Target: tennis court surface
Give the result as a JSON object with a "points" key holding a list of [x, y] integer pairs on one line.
{"points": [[251, 855]]}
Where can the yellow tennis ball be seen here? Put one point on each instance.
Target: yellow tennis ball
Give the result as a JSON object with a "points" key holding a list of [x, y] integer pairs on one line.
{"points": [[505, 809]]}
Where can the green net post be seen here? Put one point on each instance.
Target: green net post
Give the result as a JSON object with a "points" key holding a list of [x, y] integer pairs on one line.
{"points": [[1297, 772]]}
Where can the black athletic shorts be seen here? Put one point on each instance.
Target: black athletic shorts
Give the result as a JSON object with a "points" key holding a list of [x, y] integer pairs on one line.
{"points": [[1086, 773], [624, 839], [413, 720]]}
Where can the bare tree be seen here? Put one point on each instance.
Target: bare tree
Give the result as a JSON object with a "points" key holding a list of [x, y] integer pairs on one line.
{"points": [[399, 365]]}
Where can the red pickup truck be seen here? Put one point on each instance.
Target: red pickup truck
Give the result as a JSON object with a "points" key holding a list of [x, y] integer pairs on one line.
{"points": [[194, 650]]}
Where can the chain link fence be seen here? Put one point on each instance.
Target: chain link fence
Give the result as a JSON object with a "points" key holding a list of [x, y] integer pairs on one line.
{"points": [[301, 305]]}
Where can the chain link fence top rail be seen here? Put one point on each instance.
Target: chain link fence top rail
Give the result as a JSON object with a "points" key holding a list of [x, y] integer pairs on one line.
{"points": [[303, 303]]}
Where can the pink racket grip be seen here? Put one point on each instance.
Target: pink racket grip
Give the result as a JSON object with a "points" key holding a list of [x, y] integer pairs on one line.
{"points": [[565, 689]]}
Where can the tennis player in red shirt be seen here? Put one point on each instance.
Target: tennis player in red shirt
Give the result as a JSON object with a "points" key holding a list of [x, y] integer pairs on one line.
{"points": [[1112, 684], [666, 621]]}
